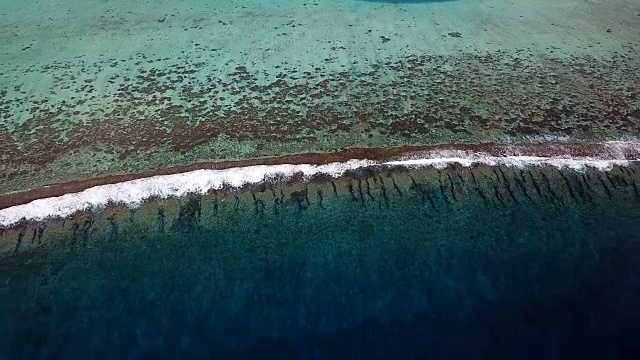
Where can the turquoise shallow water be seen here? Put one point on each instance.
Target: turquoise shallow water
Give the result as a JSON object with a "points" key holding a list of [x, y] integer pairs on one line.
{"points": [[488, 262]]}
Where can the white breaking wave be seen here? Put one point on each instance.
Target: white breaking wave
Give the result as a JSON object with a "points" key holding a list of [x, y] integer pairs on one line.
{"points": [[517, 161], [133, 193]]}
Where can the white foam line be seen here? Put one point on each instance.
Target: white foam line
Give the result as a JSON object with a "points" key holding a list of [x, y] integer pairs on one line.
{"points": [[133, 193], [578, 164]]}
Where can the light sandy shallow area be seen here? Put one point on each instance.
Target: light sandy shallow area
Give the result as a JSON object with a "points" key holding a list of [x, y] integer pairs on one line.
{"points": [[251, 30], [97, 88]]}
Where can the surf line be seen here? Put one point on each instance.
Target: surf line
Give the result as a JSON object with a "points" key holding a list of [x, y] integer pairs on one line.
{"points": [[133, 193]]}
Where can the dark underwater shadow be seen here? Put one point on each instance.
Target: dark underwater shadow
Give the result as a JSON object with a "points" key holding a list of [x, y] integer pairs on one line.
{"points": [[407, 1], [576, 325]]}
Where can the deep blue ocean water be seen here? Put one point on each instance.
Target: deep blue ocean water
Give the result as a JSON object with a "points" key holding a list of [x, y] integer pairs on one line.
{"points": [[538, 264]]}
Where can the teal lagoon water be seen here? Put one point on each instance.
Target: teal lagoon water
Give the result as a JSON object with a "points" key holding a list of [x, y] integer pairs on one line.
{"points": [[482, 262]]}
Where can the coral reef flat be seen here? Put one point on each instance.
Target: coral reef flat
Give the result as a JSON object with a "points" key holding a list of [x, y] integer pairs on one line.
{"points": [[116, 87]]}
